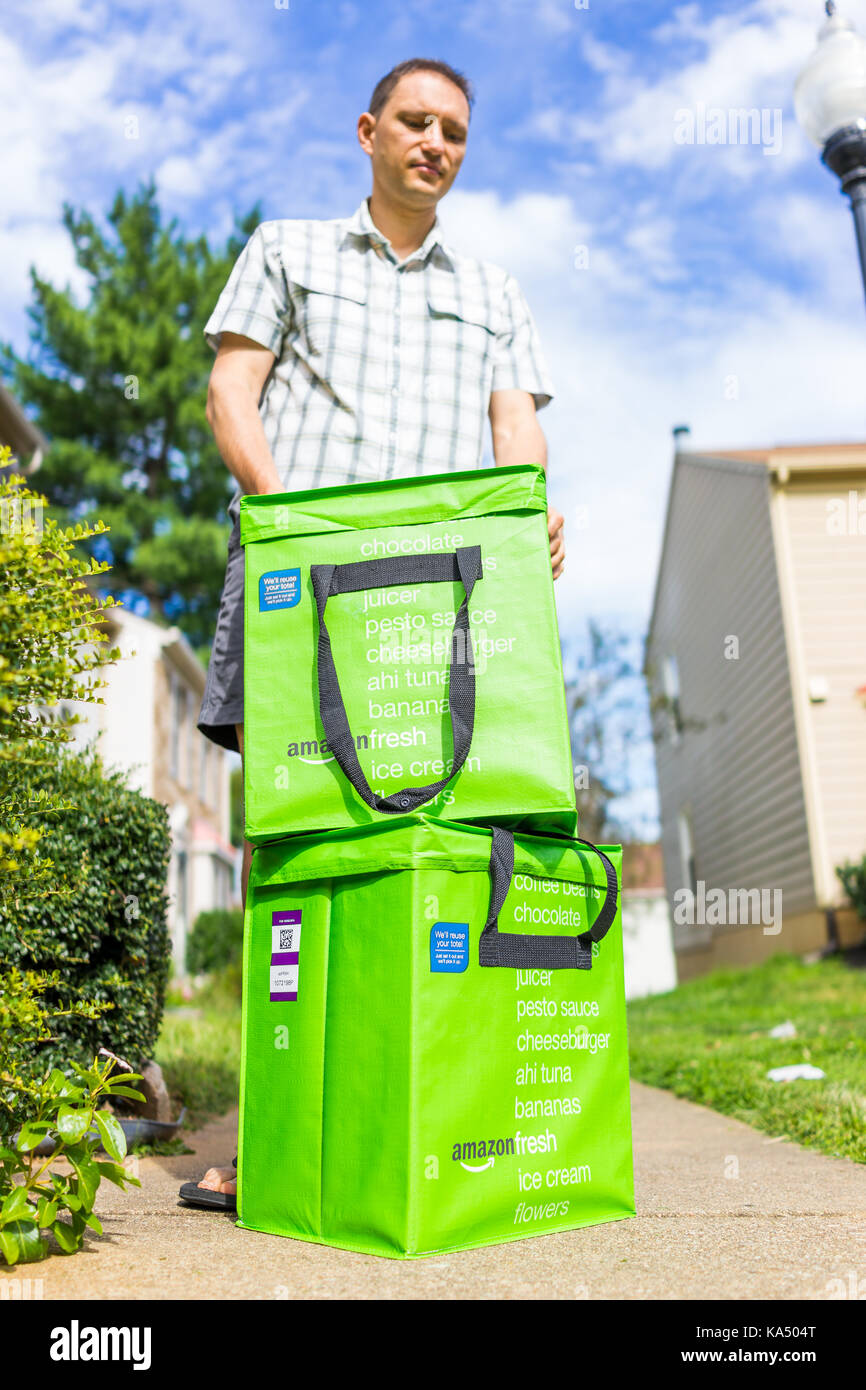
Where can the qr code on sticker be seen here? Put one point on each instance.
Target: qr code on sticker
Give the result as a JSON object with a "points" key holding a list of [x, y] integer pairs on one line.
{"points": [[287, 935]]}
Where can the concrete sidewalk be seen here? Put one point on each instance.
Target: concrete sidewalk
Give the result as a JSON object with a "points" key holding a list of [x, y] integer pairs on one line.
{"points": [[786, 1227]]}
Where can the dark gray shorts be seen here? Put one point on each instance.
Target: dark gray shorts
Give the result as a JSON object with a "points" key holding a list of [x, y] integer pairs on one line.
{"points": [[222, 705]]}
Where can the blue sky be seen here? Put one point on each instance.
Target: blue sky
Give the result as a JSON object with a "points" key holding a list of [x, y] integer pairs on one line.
{"points": [[716, 285]]}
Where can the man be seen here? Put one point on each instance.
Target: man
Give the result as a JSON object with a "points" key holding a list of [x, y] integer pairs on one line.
{"points": [[362, 348]]}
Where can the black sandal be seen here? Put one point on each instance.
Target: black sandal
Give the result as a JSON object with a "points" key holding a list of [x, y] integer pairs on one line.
{"points": [[196, 1196]]}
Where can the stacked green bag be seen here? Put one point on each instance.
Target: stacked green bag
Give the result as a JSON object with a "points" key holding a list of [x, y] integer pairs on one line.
{"points": [[416, 1080], [434, 1050], [401, 650]]}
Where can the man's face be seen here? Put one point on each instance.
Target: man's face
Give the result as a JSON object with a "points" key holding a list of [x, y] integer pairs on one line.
{"points": [[418, 140]]}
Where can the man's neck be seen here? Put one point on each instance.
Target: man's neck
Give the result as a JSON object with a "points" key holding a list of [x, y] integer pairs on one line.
{"points": [[405, 228]]}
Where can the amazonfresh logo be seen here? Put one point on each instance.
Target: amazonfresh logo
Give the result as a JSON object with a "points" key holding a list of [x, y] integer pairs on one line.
{"points": [[475, 1155], [316, 750]]}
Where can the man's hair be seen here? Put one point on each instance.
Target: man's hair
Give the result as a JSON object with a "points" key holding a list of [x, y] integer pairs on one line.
{"points": [[385, 86]]}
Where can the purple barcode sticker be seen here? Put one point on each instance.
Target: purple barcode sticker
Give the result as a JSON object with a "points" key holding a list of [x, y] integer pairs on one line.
{"points": [[285, 948], [286, 931]]}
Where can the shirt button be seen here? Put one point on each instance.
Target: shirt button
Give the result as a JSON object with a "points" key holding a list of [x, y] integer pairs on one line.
{"points": [[395, 390]]}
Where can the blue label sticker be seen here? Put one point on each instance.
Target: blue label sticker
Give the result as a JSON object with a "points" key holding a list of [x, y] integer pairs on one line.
{"points": [[279, 589], [449, 947]]}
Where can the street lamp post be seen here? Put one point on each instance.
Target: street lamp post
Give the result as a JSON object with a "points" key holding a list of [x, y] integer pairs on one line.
{"points": [[830, 101]]}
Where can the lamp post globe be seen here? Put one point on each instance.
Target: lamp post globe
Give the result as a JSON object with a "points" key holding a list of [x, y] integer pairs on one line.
{"points": [[830, 102]]}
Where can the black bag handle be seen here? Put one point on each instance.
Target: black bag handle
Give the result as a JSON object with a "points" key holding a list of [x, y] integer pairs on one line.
{"points": [[464, 565], [547, 952]]}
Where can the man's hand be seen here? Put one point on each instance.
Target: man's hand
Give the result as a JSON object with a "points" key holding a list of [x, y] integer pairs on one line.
{"points": [[555, 523]]}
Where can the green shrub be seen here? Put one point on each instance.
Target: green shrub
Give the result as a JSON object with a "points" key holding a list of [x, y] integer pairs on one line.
{"points": [[51, 649], [216, 940], [853, 880], [101, 950]]}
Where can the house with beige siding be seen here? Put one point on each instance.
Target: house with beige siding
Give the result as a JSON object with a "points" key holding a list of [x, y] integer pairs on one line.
{"points": [[147, 727], [756, 666]]}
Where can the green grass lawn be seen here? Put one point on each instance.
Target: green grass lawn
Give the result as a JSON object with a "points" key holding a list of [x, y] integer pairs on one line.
{"points": [[199, 1049], [707, 1041]]}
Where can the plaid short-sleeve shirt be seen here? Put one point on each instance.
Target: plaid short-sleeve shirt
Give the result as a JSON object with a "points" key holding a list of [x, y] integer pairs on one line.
{"points": [[384, 368]]}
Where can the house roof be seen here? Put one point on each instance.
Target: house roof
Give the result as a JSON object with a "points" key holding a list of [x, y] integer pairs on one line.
{"points": [[784, 459], [779, 461]]}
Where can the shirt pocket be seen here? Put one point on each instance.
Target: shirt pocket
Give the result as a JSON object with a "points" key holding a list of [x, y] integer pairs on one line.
{"points": [[462, 335], [331, 316]]}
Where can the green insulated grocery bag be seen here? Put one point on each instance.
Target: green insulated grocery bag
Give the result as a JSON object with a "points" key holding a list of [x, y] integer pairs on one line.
{"points": [[401, 651], [434, 1049]]}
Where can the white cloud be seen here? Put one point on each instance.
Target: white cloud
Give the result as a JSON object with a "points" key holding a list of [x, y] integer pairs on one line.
{"points": [[46, 247], [814, 237], [605, 58], [246, 144], [750, 60], [686, 23], [51, 15], [555, 17], [530, 237], [653, 239]]}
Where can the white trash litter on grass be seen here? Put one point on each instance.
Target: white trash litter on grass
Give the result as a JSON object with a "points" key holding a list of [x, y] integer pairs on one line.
{"points": [[800, 1071], [783, 1030]]}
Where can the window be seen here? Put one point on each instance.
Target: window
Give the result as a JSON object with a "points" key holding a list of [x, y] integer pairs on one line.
{"points": [[220, 883], [217, 779], [176, 691], [671, 678], [203, 761], [181, 772], [687, 853], [191, 733], [182, 883]]}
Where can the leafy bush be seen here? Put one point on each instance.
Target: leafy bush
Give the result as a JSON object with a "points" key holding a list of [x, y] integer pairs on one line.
{"points": [[103, 950], [216, 940], [32, 1197], [51, 648], [853, 880]]}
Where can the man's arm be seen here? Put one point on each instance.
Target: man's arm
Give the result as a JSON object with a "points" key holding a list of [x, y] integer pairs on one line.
{"points": [[236, 382], [518, 438]]}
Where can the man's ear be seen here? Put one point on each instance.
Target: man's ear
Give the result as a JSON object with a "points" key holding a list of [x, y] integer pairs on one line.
{"points": [[366, 131]]}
